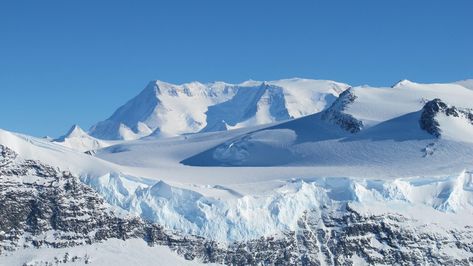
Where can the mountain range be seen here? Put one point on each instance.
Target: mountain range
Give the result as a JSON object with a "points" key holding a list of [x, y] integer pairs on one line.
{"points": [[164, 109], [295, 171]]}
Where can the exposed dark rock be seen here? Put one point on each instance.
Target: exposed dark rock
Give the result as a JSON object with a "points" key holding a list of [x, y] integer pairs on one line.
{"points": [[335, 113], [431, 109]]}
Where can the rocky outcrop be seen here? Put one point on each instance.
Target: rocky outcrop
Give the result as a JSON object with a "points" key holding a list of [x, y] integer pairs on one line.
{"points": [[42, 206], [431, 109], [335, 113]]}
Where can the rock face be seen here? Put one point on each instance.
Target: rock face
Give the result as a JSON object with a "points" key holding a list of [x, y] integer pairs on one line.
{"points": [[42, 206], [431, 109], [336, 115]]}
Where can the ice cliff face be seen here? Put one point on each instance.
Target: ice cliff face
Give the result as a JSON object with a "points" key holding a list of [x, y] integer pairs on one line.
{"points": [[250, 217]]}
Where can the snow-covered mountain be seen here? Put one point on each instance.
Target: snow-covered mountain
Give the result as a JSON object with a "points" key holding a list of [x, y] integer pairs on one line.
{"points": [[376, 176], [76, 138], [396, 124], [164, 109]]}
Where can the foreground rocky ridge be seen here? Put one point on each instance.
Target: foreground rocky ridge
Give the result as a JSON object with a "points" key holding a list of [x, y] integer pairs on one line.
{"points": [[42, 206]]}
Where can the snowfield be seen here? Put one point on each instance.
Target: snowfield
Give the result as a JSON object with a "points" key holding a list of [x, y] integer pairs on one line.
{"points": [[109, 253], [262, 155]]}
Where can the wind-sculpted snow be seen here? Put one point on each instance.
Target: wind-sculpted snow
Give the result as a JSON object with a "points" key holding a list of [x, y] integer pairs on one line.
{"points": [[274, 141]]}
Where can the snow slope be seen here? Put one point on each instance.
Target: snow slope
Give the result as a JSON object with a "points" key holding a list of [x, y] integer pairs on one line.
{"points": [[375, 105], [112, 252], [389, 115], [467, 83], [55, 154], [163, 109]]}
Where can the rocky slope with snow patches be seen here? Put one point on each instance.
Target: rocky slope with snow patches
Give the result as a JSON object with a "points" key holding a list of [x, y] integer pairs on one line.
{"points": [[445, 121], [164, 109], [336, 115]]}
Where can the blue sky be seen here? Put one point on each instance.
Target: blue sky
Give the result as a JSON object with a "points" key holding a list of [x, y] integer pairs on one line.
{"points": [[66, 62]]}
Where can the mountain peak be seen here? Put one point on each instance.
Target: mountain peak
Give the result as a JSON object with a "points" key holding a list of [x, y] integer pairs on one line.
{"points": [[74, 131], [403, 83], [77, 139]]}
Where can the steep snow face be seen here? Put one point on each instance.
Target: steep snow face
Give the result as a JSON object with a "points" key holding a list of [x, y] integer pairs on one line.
{"points": [[77, 139], [163, 109], [250, 106]]}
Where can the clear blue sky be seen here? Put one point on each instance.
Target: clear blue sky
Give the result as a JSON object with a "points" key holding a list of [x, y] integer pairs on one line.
{"points": [[65, 62]]}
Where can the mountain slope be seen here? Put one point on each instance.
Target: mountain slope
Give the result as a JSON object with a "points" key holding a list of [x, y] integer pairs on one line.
{"points": [[165, 109]]}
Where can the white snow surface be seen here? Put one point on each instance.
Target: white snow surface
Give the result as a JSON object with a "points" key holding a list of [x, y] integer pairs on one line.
{"points": [[467, 83], [163, 109], [113, 252]]}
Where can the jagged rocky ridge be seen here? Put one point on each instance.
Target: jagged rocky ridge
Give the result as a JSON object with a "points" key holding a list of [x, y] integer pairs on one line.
{"points": [[42, 206], [431, 109], [336, 115]]}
